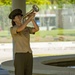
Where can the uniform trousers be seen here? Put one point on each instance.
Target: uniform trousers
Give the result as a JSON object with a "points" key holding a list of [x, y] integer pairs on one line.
{"points": [[23, 63]]}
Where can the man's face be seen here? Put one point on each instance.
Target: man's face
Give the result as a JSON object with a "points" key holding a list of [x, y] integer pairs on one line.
{"points": [[17, 18]]}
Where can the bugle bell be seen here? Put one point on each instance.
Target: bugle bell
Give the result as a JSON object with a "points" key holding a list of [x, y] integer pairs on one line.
{"points": [[35, 8]]}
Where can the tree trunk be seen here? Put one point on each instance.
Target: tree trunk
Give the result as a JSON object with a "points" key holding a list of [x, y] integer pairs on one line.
{"points": [[59, 16]]}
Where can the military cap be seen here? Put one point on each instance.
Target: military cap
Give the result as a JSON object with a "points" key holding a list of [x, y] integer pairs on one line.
{"points": [[15, 12]]}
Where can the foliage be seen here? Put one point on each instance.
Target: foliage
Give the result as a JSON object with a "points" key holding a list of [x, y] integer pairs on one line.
{"points": [[72, 1], [37, 2], [61, 2], [5, 2]]}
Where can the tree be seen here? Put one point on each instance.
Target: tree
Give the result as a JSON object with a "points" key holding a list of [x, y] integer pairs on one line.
{"points": [[60, 4], [5, 2], [38, 2]]}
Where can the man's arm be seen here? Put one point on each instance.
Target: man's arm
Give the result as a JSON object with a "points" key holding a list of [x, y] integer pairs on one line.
{"points": [[22, 26], [36, 27]]}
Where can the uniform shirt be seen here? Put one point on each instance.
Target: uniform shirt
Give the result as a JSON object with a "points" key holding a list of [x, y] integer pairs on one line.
{"points": [[21, 40]]}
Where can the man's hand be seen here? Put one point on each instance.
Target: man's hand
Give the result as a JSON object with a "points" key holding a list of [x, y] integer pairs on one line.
{"points": [[32, 14]]}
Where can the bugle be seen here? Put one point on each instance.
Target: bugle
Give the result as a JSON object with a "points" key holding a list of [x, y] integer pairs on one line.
{"points": [[35, 8]]}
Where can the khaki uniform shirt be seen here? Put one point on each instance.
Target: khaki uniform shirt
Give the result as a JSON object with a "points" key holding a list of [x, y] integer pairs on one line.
{"points": [[21, 40]]}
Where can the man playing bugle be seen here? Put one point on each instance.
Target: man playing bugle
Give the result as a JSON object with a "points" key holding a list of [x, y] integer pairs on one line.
{"points": [[20, 32]]}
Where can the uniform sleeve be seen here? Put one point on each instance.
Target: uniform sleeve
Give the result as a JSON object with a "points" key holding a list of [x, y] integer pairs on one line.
{"points": [[30, 30], [13, 30]]}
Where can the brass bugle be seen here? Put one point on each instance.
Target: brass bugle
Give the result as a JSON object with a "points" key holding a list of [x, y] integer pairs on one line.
{"points": [[35, 8]]}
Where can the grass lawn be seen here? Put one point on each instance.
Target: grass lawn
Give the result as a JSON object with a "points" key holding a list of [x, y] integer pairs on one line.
{"points": [[43, 35]]}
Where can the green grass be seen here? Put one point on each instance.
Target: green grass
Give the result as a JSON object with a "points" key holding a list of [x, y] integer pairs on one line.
{"points": [[56, 32], [4, 33], [43, 36], [44, 33]]}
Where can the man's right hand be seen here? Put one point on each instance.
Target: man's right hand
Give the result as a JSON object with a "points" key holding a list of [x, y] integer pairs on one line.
{"points": [[32, 15]]}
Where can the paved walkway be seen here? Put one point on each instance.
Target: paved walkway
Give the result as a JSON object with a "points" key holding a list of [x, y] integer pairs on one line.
{"points": [[3, 72], [39, 49]]}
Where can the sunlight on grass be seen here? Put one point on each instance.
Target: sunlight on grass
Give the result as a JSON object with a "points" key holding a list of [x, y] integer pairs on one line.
{"points": [[42, 55]]}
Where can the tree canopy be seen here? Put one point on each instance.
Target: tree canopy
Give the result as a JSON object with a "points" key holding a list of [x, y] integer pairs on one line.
{"points": [[5, 2], [38, 2], [8, 2]]}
